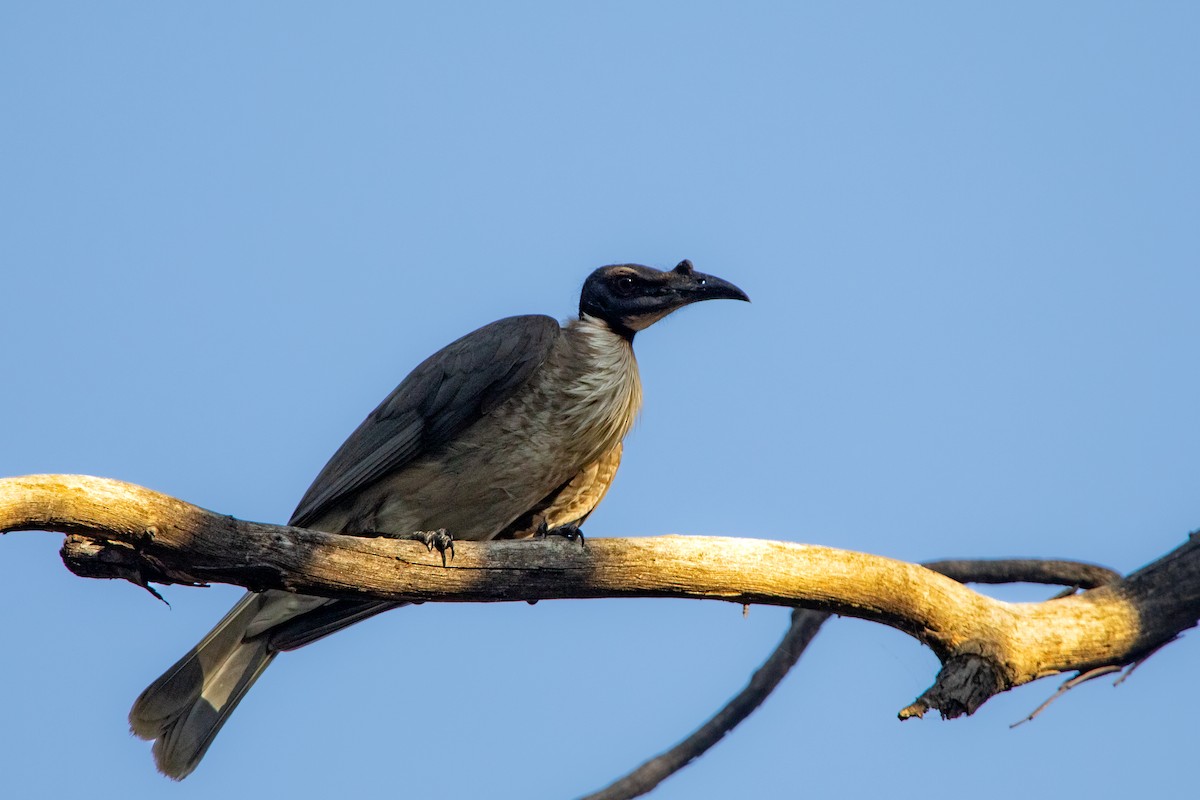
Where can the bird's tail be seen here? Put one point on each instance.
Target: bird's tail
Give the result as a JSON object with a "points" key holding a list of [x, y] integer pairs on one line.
{"points": [[185, 708]]}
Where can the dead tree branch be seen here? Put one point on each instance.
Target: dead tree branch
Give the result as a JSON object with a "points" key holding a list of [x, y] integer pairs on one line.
{"points": [[986, 646]]}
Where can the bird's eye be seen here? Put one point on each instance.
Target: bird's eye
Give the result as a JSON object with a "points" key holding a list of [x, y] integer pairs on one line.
{"points": [[624, 285]]}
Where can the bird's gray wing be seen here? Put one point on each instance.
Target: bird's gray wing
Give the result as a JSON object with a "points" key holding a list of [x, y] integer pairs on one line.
{"points": [[449, 391]]}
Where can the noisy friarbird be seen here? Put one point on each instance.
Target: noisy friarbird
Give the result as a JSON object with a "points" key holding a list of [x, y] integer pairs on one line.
{"points": [[512, 430]]}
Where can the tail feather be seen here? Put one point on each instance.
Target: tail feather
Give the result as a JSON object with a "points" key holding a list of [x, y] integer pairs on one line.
{"points": [[185, 708], [186, 739]]}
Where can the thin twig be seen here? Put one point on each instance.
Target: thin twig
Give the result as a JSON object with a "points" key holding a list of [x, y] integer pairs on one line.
{"points": [[1138, 663], [1067, 686]]}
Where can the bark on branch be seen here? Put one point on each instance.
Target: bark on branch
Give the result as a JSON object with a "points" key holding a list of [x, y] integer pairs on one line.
{"points": [[986, 646]]}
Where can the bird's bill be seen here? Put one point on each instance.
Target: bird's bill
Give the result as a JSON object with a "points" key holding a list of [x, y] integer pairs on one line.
{"points": [[680, 287], [708, 287]]}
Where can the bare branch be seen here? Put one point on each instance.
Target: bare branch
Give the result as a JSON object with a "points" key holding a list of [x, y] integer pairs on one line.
{"points": [[804, 627], [1055, 572], [987, 646]]}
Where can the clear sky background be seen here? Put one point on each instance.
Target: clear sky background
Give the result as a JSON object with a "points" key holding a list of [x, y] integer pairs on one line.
{"points": [[972, 238]]}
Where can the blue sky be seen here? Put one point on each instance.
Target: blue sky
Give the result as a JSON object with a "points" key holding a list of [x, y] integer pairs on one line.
{"points": [[970, 234]]}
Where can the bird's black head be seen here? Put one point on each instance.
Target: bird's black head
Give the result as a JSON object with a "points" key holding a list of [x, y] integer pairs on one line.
{"points": [[631, 297]]}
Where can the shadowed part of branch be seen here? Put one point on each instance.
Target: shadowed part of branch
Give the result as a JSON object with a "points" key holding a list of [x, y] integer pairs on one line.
{"points": [[964, 683], [1055, 572]]}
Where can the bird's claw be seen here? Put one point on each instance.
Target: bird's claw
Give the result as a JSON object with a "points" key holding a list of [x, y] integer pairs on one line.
{"points": [[570, 532], [438, 540]]}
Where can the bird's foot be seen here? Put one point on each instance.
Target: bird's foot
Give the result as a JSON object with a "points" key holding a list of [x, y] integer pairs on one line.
{"points": [[570, 532], [433, 540]]}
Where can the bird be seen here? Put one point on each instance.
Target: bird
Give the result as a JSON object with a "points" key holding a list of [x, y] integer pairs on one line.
{"points": [[512, 431]]}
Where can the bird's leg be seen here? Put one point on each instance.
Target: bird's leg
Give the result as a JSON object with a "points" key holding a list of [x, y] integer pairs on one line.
{"points": [[438, 540], [571, 531]]}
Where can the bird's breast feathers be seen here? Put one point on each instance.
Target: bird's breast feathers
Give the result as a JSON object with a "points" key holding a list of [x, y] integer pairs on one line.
{"points": [[602, 391]]}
